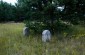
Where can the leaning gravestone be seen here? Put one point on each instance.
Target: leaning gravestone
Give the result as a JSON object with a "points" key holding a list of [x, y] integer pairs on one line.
{"points": [[26, 31], [46, 36]]}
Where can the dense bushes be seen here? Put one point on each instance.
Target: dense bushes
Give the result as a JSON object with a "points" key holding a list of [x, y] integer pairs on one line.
{"points": [[38, 27]]}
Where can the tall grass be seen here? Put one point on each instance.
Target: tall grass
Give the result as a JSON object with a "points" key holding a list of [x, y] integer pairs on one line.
{"points": [[12, 42]]}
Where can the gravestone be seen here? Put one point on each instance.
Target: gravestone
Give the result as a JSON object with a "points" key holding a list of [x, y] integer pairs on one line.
{"points": [[46, 36], [26, 31]]}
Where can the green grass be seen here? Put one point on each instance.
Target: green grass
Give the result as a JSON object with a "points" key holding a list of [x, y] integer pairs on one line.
{"points": [[12, 42]]}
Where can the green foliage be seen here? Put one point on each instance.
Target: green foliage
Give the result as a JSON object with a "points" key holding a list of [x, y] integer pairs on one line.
{"points": [[42, 11], [36, 27], [7, 12], [73, 11]]}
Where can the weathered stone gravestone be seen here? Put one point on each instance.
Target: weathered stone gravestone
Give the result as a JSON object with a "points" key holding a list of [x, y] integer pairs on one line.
{"points": [[26, 31], [46, 36]]}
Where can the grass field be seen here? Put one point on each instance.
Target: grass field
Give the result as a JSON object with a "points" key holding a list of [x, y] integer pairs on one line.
{"points": [[12, 42]]}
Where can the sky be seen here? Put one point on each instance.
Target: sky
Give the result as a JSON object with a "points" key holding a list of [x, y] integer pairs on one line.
{"points": [[11, 1]]}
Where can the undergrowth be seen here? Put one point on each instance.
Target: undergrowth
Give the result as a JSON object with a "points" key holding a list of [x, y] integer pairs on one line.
{"points": [[12, 42]]}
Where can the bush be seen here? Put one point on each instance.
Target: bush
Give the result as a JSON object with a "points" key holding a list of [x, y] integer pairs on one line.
{"points": [[38, 27]]}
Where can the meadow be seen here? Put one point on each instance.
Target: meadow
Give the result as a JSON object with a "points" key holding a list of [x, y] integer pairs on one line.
{"points": [[12, 42]]}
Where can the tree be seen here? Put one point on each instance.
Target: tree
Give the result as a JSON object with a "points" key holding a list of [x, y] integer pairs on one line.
{"points": [[7, 12], [74, 10], [40, 11], [43, 14]]}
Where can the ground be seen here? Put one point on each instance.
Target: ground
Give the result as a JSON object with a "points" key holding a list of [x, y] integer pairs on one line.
{"points": [[12, 42]]}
